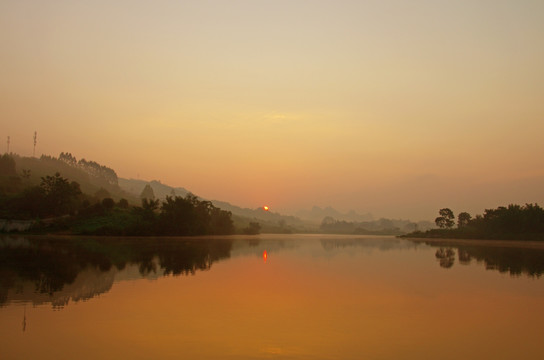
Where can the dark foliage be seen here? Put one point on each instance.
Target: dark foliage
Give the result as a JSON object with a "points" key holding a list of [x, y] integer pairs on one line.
{"points": [[445, 220], [54, 196], [190, 216], [7, 166], [513, 222]]}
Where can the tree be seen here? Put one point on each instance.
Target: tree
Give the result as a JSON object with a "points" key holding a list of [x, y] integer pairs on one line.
{"points": [[59, 194], [221, 222], [445, 220], [463, 219], [190, 216], [147, 193], [123, 203], [68, 158], [108, 203], [178, 216]]}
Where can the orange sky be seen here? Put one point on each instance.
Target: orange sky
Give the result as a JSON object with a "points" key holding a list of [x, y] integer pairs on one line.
{"points": [[393, 107]]}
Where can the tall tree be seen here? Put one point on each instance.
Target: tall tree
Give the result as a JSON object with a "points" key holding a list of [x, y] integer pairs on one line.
{"points": [[463, 219], [147, 193], [60, 194], [445, 220]]}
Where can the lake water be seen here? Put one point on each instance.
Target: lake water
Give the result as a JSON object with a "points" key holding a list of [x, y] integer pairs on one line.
{"points": [[268, 297]]}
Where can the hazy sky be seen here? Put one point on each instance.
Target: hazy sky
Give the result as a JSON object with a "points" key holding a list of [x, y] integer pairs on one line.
{"points": [[393, 107]]}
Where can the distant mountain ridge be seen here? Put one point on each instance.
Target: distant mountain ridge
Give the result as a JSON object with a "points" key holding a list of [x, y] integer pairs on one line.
{"points": [[91, 176], [161, 191], [270, 221], [317, 214], [95, 178]]}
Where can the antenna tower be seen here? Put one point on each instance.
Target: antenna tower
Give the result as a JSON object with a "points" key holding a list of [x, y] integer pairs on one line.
{"points": [[8, 144], [35, 138]]}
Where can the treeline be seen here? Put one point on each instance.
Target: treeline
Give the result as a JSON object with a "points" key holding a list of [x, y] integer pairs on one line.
{"points": [[55, 196], [18, 172], [513, 222], [58, 205], [177, 216], [379, 227], [91, 167]]}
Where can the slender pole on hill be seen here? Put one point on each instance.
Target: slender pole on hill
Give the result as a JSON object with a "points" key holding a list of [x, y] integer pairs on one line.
{"points": [[8, 145], [35, 138]]}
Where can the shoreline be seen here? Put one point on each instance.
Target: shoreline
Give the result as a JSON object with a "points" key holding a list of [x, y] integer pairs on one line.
{"points": [[527, 244]]}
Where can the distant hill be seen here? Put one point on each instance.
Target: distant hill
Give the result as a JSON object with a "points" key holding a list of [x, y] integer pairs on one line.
{"points": [[94, 178], [161, 191], [90, 175], [317, 214], [270, 221]]}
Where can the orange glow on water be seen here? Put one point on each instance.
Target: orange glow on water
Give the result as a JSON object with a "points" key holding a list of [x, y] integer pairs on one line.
{"points": [[265, 256]]}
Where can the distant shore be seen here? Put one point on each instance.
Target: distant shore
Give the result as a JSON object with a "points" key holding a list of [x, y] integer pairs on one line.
{"points": [[528, 244]]}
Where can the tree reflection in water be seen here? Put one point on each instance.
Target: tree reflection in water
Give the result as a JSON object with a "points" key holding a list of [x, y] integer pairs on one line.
{"points": [[59, 270], [52, 263], [446, 257], [511, 260], [516, 261]]}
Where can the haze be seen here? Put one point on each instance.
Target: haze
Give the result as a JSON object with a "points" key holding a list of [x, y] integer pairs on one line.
{"points": [[394, 107]]}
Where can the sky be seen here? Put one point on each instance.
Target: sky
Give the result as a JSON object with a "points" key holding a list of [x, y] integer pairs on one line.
{"points": [[391, 107]]}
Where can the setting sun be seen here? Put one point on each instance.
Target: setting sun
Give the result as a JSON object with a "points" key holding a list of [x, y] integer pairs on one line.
{"points": [[266, 208]]}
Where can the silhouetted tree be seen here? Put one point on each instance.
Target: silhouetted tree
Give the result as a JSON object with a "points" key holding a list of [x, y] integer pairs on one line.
{"points": [[190, 216], [514, 219], [95, 169], [123, 203], [445, 220], [68, 158], [221, 222], [149, 207], [59, 194], [463, 219], [108, 203], [178, 216]]}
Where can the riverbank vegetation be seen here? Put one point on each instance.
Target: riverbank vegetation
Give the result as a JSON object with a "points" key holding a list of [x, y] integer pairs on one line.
{"points": [[512, 222], [59, 205]]}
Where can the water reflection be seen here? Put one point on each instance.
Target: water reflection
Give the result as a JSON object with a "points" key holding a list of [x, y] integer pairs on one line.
{"points": [[59, 270], [446, 257], [316, 297], [56, 270], [515, 261]]}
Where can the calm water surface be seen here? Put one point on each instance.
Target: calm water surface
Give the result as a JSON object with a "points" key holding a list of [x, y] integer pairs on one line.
{"points": [[267, 297]]}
